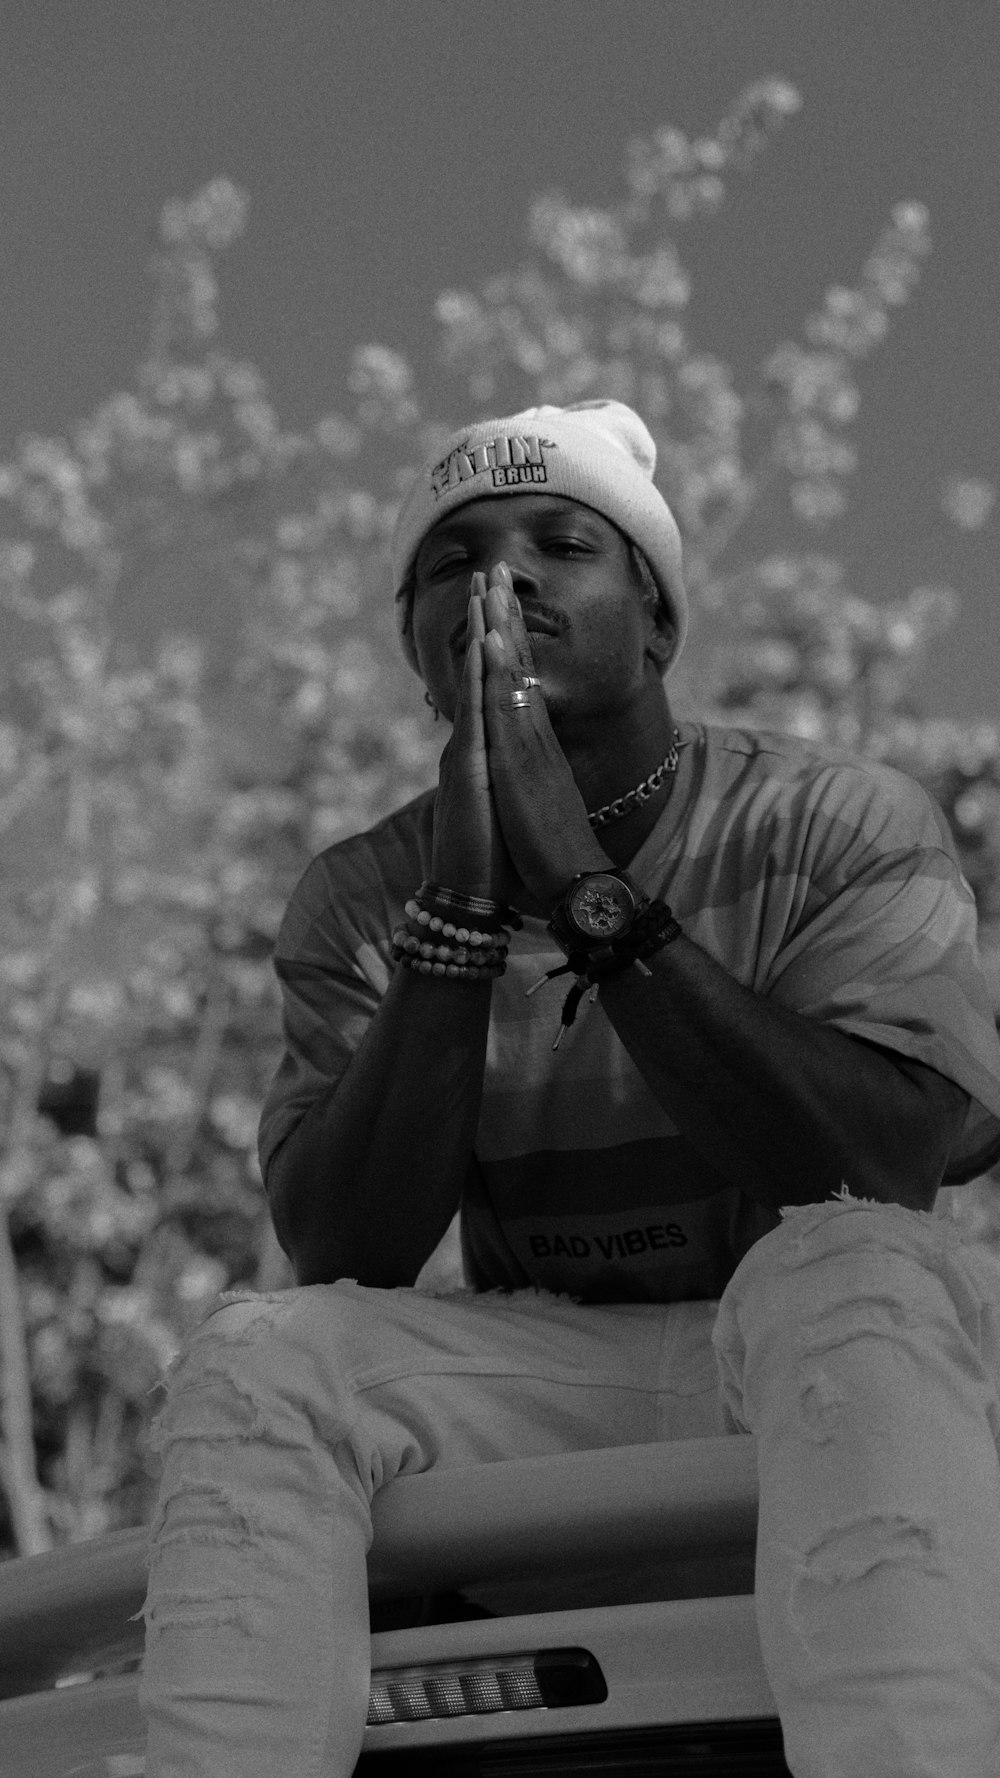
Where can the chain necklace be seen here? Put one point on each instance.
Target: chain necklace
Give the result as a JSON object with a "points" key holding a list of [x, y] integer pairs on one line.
{"points": [[633, 799]]}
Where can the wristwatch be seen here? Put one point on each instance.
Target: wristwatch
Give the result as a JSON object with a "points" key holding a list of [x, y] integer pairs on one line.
{"points": [[598, 908]]}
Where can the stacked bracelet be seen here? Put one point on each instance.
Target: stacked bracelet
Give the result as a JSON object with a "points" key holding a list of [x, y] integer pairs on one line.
{"points": [[424, 921], [465, 972], [437, 940], [474, 955]]}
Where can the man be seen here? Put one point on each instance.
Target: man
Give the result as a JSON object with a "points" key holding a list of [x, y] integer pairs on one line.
{"points": [[687, 1028]]}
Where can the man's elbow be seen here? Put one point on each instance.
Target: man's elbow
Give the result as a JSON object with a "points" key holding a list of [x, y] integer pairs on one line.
{"points": [[913, 1121], [296, 1232], [908, 1173], [912, 1164], [910, 1186], [321, 1253]]}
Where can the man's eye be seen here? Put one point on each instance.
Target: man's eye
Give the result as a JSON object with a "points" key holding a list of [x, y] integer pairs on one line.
{"points": [[566, 543], [447, 565]]}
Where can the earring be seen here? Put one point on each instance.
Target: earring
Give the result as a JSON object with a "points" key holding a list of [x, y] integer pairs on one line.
{"points": [[430, 701]]}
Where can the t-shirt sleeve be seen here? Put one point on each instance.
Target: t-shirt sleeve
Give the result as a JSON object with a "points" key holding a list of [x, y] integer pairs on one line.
{"points": [[886, 949], [331, 987]]}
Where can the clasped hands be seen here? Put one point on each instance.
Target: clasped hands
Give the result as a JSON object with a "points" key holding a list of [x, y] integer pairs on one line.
{"points": [[508, 812]]}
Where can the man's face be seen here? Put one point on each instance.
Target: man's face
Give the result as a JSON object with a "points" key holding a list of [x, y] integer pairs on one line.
{"points": [[589, 627]]}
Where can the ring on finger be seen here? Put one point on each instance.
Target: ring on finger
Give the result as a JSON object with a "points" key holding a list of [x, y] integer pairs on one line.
{"points": [[521, 698], [529, 679]]}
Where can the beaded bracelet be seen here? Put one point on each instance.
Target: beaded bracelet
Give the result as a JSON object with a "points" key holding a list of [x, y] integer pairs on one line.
{"points": [[472, 974], [405, 944], [475, 951], [464, 935]]}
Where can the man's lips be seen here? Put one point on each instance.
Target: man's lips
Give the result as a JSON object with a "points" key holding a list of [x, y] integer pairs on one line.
{"points": [[536, 622], [544, 623]]}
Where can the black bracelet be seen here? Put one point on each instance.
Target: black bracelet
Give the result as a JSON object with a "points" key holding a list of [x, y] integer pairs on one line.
{"points": [[662, 932], [478, 910], [653, 929]]}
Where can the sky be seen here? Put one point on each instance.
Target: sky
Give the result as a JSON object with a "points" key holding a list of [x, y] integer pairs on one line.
{"points": [[391, 149]]}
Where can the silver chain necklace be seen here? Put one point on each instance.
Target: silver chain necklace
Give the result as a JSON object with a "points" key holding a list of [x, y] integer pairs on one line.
{"points": [[633, 799]]}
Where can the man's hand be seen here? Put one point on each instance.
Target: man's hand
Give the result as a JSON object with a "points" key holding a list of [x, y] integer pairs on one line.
{"points": [[468, 851], [541, 813]]}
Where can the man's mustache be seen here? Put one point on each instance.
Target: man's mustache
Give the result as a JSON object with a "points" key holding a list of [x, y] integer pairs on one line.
{"points": [[538, 619]]}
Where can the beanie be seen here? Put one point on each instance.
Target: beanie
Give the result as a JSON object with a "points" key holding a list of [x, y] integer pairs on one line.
{"points": [[597, 452]]}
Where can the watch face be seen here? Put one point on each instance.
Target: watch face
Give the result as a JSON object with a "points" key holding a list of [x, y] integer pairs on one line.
{"points": [[601, 907]]}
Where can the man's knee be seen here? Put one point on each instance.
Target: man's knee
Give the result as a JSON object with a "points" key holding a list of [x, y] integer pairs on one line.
{"points": [[842, 1275], [267, 1365], [849, 1249], [320, 1318], [844, 1272]]}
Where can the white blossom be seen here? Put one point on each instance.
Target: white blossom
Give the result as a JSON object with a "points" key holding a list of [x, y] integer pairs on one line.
{"points": [[968, 501]]}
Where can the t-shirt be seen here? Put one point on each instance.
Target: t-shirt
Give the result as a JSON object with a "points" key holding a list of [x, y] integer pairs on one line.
{"points": [[826, 883]]}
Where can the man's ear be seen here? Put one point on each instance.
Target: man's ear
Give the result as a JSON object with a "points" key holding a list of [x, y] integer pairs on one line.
{"points": [[661, 642]]}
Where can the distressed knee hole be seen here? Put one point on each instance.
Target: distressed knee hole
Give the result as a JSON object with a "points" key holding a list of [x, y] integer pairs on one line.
{"points": [[209, 1405], [223, 1516], [208, 1612], [847, 1555], [821, 1403], [237, 1319]]}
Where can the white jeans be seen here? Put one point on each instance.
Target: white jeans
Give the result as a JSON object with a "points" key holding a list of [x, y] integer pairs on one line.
{"points": [[859, 1344]]}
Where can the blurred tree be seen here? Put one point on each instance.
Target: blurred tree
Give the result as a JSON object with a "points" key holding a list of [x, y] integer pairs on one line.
{"points": [[160, 800]]}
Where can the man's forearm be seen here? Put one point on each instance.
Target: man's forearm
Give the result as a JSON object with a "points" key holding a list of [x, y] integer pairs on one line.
{"points": [[779, 1104], [367, 1183]]}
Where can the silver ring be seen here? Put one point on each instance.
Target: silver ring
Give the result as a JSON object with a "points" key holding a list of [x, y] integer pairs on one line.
{"points": [[529, 679], [521, 700]]}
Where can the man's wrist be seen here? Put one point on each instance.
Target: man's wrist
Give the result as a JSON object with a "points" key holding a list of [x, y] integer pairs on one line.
{"points": [[556, 886]]}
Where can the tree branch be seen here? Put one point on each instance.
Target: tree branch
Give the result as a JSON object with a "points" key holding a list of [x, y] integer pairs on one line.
{"points": [[18, 1467]]}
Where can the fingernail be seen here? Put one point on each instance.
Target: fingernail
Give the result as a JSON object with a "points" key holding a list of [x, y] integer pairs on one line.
{"points": [[503, 570]]}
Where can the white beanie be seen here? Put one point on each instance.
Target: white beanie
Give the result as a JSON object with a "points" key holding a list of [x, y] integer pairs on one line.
{"points": [[597, 452]]}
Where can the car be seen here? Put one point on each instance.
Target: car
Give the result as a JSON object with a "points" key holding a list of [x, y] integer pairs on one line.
{"points": [[573, 1614]]}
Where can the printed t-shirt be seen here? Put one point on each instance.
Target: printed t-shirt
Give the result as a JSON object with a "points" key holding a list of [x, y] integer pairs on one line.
{"points": [[825, 883]]}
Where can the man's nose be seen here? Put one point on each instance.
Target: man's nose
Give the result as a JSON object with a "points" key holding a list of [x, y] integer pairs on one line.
{"points": [[526, 582]]}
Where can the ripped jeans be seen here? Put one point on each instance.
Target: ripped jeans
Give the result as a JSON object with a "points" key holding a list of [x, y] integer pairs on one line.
{"points": [[858, 1343]]}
